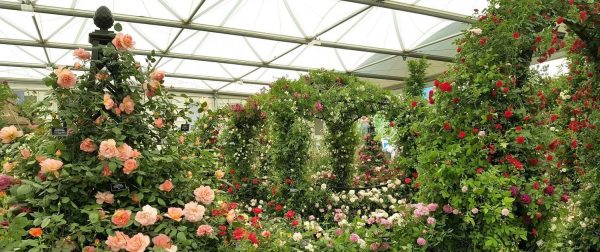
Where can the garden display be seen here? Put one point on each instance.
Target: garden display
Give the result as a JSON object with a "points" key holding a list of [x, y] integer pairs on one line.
{"points": [[496, 157]]}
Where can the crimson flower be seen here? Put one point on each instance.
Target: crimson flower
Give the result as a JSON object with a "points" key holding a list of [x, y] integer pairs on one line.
{"points": [[239, 234], [516, 35], [462, 134], [252, 238], [290, 214], [549, 190], [520, 139], [560, 20], [583, 16], [499, 83], [446, 87], [508, 113], [526, 199]]}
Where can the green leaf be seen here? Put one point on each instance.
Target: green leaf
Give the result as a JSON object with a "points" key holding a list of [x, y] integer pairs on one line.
{"points": [[161, 202], [118, 27], [45, 222], [24, 189]]}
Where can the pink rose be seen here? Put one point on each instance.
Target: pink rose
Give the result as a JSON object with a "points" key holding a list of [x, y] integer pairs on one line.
{"points": [[154, 84], [121, 217], [137, 243], [125, 152], [87, 145], [157, 75], [129, 166], [135, 154], [108, 149], [204, 195], [174, 213], [193, 212], [148, 216], [421, 241], [162, 241], [123, 42], [82, 54], [65, 78], [117, 242], [158, 122], [108, 102], [51, 165], [166, 186], [204, 230], [266, 233], [9, 134], [105, 197], [128, 105], [25, 153]]}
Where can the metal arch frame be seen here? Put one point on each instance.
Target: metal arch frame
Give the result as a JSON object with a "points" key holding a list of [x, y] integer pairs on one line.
{"points": [[174, 75], [415, 9], [33, 81], [225, 30]]}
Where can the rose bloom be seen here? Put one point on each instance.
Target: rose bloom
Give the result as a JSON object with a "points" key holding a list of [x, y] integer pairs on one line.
{"points": [[162, 241], [204, 195], [154, 84], [102, 76], [166, 186], [36, 232], [505, 212], [138, 243], [128, 105], [174, 213], [231, 215], [5, 182], [121, 217], [89, 249], [219, 174], [157, 75], [193, 212], [8, 166], [135, 153], [204, 230], [65, 78], [9, 134], [108, 149], [148, 216], [123, 42], [117, 242], [108, 101], [129, 166], [266, 233], [50, 165], [87, 145], [125, 152], [82, 54], [421, 241], [25, 153], [105, 197], [158, 122]]}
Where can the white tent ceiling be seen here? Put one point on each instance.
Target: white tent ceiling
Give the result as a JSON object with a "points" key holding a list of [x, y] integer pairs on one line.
{"points": [[240, 46]]}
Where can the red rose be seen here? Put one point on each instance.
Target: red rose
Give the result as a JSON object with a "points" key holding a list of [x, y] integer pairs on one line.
{"points": [[560, 20], [294, 223], [290, 214], [413, 104], [239, 234], [407, 180], [252, 238], [520, 139], [583, 16], [499, 83], [533, 161], [516, 35], [482, 41], [446, 87], [565, 197], [538, 39], [257, 210], [549, 190], [518, 129], [536, 185], [392, 124], [479, 170], [462, 134], [508, 113], [436, 83], [278, 207], [574, 144], [447, 126], [458, 50], [553, 117]]}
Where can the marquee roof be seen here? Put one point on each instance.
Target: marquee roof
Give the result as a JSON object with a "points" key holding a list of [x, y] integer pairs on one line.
{"points": [[240, 46]]}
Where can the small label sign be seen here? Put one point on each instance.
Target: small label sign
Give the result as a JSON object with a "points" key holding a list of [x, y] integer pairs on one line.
{"points": [[185, 127], [60, 131], [117, 187]]}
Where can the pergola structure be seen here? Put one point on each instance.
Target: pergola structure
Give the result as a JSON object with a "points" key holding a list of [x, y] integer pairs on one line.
{"points": [[239, 46]]}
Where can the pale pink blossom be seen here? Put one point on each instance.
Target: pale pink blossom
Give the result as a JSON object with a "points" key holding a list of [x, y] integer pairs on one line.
{"points": [[148, 216], [128, 105], [138, 243], [87, 145], [204, 230], [157, 75], [117, 242], [108, 149], [125, 151], [82, 54], [158, 122], [105, 197], [51, 165], [123, 42], [9, 134], [193, 211], [204, 195], [108, 102], [162, 241], [65, 78], [25, 153]]}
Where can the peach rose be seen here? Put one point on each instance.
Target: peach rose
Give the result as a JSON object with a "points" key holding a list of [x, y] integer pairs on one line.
{"points": [[157, 75], [8, 166], [9, 134], [89, 249], [125, 152], [148, 216], [117, 242], [123, 42], [138, 243], [219, 174], [166, 186], [204, 230], [135, 154], [25, 153], [154, 84], [231, 215], [65, 78], [158, 122], [82, 54], [129, 166], [108, 102], [162, 241], [105, 197], [174, 213], [193, 212], [88, 145], [50, 165], [121, 217], [108, 149], [204, 195], [127, 105], [101, 76], [36, 232], [181, 139]]}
